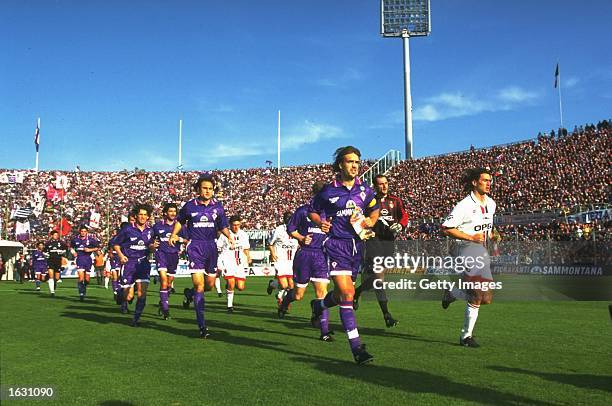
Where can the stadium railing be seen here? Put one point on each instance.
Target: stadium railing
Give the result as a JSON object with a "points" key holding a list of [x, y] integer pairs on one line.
{"points": [[382, 166]]}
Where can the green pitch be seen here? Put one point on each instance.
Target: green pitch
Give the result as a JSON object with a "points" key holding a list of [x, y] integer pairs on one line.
{"points": [[532, 353]]}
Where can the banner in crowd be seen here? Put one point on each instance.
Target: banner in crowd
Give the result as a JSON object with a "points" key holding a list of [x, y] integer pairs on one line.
{"points": [[22, 230], [259, 234], [94, 220], [12, 177], [525, 218], [182, 270], [546, 270], [588, 216], [55, 195]]}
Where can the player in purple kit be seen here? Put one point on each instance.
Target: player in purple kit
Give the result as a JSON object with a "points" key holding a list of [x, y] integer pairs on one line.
{"points": [[39, 264], [114, 265], [166, 256], [346, 210], [309, 264], [203, 217], [132, 245], [82, 246]]}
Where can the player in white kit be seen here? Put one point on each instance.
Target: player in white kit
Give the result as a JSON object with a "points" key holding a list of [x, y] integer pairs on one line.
{"points": [[282, 250], [471, 224], [233, 261]]}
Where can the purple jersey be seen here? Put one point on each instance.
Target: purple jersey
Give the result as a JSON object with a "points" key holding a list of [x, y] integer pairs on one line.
{"points": [[79, 244], [302, 224], [39, 261], [337, 202], [202, 221], [162, 231], [133, 242]]}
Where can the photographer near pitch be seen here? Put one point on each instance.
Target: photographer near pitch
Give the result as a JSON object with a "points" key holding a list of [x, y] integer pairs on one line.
{"points": [[392, 220]]}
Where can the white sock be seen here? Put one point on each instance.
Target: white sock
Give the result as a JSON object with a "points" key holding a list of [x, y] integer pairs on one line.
{"points": [[52, 285], [281, 293], [106, 279], [218, 285], [230, 298], [459, 294], [471, 315]]}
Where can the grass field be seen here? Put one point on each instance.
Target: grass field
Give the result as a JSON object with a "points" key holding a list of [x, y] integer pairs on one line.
{"points": [[532, 352]]}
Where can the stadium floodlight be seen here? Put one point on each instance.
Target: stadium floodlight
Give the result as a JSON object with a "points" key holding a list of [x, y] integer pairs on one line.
{"points": [[405, 19]]}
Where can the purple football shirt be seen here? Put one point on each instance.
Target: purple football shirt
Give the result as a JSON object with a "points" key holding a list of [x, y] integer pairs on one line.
{"points": [[337, 202]]}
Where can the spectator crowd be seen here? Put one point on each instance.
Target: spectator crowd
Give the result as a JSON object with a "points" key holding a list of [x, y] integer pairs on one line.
{"points": [[557, 173]]}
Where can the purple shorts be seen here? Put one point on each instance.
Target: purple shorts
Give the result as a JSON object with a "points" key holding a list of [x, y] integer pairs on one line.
{"points": [[343, 256], [136, 270], [309, 265], [83, 262], [40, 270], [167, 261], [203, 257], [115, 264]]}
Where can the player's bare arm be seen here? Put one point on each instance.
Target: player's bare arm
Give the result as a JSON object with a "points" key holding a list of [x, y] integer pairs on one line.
{"points": [[225, 231], [174, 238], [273, 257], [302, 240], [324, 225], [122, 257], [460, 235]]}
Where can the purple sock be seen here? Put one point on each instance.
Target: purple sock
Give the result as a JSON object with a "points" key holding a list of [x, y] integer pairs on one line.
{"points": [[140, 305], [324, 320], [81, 287], [289, 297], [163, 296], [347, 316], [115, 286], [198, 305]]}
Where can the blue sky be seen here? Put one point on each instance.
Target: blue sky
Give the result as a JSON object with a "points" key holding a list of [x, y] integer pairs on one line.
{"points": [[111, 79]]}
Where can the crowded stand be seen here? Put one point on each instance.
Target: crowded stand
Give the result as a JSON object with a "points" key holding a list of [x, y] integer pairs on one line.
{"points": [[558, 173]]}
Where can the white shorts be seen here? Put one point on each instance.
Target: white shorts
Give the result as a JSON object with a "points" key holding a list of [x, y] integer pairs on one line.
{"points": [[284, 268], [236, 272], [231, 269], [473, 261]]}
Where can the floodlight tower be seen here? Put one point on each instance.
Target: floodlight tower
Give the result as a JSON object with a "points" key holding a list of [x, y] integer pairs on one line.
{"points": [[404, 19]]}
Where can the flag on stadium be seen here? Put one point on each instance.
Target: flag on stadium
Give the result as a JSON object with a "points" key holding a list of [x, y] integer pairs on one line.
{"points": [[22, 230], [63, 227], [37, 137], [22, 213], [557, 76], [94, 220]]}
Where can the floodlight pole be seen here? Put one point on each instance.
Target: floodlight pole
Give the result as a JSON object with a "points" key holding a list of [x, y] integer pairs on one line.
{"points": [[407, 95], [278, 147], [180, 147]]}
